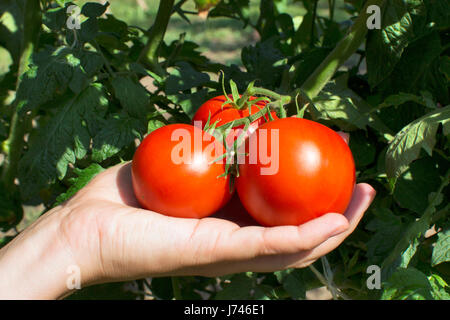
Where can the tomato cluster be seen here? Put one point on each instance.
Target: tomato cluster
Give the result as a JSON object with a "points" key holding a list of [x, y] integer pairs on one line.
{"points": [[288, 171]]}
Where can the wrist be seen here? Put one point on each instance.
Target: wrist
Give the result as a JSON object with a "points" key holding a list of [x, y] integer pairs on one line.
{"points": [[37, 264]]}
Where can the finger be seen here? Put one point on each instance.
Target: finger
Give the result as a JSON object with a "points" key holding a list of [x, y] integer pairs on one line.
{"points": [[114, 184], [362, 198], [344, 136], [260, 241]]}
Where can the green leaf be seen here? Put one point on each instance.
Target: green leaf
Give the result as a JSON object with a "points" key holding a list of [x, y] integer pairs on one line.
{"points": [[133, 97], [406, 145], [293, 282], [388, 230], [445, 67], [439, 287], [89, 30], [407, 245], [94, 10], [407, 284], [162, 288], [438, 13], [154, 124], [418, 70], [62, 140], [402, 22], [238, 288], [262, 62], [52, 73], [344, 108], [363, 150], [307, 62], [11, 211], [189, 102], [184, 77], [441, 250], [79, 182], [112, 33], [117, 133], [237, 9], [402, 97], [205, 5], [414, 185], [11, 26], [55, 18]]}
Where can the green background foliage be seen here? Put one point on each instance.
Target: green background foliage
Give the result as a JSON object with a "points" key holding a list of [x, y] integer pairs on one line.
{"points": [[74, 102]]}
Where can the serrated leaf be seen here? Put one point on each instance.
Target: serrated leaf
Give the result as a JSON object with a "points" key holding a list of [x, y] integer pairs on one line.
{"points": [[261, 62], [344, 108], [412, 77], [77, 183], [189, 102], [117, 133], [133, 97], [406, 145], [402, 22], [402, 97], [62, 141], [408, 243], [50, 73], [441, 250], [407, 283], [53, 72], [184, 77]]}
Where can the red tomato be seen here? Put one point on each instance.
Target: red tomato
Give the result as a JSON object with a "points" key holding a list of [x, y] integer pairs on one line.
{"points": [[313, 175], [213, 109], [173, 172]]}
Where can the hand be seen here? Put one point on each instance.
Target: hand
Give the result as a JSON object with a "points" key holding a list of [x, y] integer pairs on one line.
{"points": [[104, 232]]}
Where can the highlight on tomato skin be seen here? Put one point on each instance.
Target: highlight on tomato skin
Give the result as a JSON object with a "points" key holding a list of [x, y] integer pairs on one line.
{"points": [[174, 175], [315, 173]]}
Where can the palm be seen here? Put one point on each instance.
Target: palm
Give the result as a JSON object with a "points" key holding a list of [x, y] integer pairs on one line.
{"points": [[128, 242]]}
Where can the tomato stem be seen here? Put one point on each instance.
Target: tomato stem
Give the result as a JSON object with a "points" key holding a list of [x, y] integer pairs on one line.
{"points": [[156, 35], [344, 49], [13, 146]]}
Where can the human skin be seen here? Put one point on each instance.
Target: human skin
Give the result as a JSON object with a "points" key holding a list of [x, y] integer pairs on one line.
{"points": [[103, 232]]}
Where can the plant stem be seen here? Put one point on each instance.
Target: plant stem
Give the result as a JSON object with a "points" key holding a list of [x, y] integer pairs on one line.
{"points": [[313, 23], [270, 93], [176, 288], [344, 49], [156, 35], [12, 147], [331, 5]]}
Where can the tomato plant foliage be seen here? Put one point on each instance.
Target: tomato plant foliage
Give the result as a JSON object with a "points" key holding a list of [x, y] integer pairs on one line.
{"points": [[74, 101]]}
